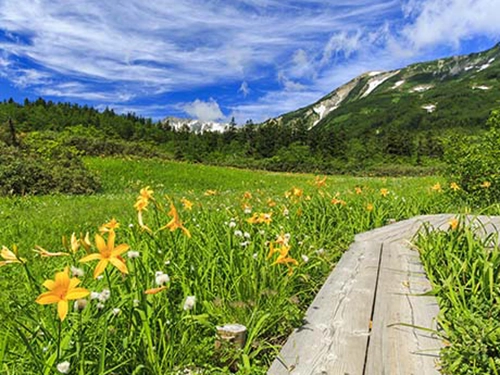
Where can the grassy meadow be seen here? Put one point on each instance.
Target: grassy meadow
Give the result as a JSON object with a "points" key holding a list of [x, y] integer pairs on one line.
{"points": [[175, 250]]}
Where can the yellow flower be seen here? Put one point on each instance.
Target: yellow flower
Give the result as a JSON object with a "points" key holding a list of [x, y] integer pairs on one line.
{"points": [[283, 257], [486, 184], [146, 193], [384, 192], [188, 205], [62, 290], [85, 241], [271, 203], [247, 195], [141, 204], [454, 186], [369, 207], [110, 226], [453, 224], [260, 218], [210, 192], [358, 190], [108, 253], [338, 201], [175, 223], [155, 290], [75, 243], [437, 187], [10, 257], [296, 192], [44, 253], [320, 182]]}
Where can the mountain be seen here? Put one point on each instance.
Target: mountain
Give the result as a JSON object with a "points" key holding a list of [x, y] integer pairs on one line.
{"points": [[196, 126], [441, 94]]}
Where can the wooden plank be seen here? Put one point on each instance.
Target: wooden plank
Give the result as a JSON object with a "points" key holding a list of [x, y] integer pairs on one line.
{"points": [[334, 337], [398, 349]]}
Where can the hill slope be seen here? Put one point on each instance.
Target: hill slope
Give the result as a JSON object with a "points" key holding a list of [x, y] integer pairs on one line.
{"points": [[456, 91]]}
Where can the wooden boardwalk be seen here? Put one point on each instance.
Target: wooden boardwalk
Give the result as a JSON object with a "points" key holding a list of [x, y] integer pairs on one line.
{"points": [[359, 321]]}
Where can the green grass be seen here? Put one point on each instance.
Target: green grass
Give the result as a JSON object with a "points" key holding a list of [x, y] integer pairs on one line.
{"points": [[464, 269], [227, 264]]}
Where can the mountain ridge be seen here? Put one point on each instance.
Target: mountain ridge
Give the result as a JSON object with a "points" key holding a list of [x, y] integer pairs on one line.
{"points": [[474, 73]]}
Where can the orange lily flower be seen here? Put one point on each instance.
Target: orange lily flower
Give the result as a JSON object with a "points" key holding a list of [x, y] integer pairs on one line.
{"points": [[62, 290], [44, 253], [108, 227], [175, 223], [188, 205], [155, 290], [108, 253], [9, 257]]}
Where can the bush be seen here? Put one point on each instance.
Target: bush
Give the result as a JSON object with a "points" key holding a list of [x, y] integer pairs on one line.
{"points": [[473, 163], [43, 168]]}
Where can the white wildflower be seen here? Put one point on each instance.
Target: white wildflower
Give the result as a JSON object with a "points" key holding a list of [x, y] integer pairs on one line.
{"points": [[305, 258], [133, 254], [255, 255], [246, 235], [104, 296], [63, 367], [232, 224], [100, 306], [79, 305], [238, 233], [248, 210], [161, 278], [244, 243], [94, 295], [77, 272], [116, 311], [189, 303]]}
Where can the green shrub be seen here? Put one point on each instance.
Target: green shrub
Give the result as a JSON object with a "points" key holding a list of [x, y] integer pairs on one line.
{"points": [[473, 163], [43, 168]]}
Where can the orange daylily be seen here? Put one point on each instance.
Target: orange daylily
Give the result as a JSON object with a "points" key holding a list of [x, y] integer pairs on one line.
{"points": [[453, 224], [358, 190], [61, 290], [108, 253], [108, 227], [44, 253], [454, 186], [188, 205], [486, 184], [146, 193], [320, 182], [155, 290], [384, 192], [437, 187], [175, 223], [9, 257]]}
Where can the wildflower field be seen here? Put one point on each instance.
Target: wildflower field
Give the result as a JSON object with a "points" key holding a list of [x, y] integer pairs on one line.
{"points": [[137, 279]]}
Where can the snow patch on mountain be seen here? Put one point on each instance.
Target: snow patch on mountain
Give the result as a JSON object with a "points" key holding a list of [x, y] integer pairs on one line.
{"points": [[421, 88], [429, 108], [481, 87], [398, 83], [484, 66], [196, 126], [376, 81]]}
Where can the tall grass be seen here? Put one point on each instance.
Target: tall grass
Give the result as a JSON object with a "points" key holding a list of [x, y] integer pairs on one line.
{"points": [[259, 247], [464, 268]]}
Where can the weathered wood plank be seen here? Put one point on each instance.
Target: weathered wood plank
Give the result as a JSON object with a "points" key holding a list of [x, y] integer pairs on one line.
{"points": [[397, 349], [334, 337]]}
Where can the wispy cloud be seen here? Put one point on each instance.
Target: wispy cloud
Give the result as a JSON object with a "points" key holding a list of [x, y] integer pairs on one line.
{"points": [[289, 52]]}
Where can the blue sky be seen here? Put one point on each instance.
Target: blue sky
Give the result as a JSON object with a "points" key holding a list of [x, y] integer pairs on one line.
{"points": [[214, 59]]}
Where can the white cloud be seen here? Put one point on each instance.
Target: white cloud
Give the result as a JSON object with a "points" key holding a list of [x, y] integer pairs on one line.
{"points": [[244, 89], [450, 22], [303, 49], [204, 111]]}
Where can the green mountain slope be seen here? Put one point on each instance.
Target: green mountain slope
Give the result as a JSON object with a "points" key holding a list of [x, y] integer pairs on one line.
{"points": [[454, 92]]}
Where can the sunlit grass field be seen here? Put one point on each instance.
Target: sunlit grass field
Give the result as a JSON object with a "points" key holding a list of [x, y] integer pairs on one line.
{"points": [[164, 266]]}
